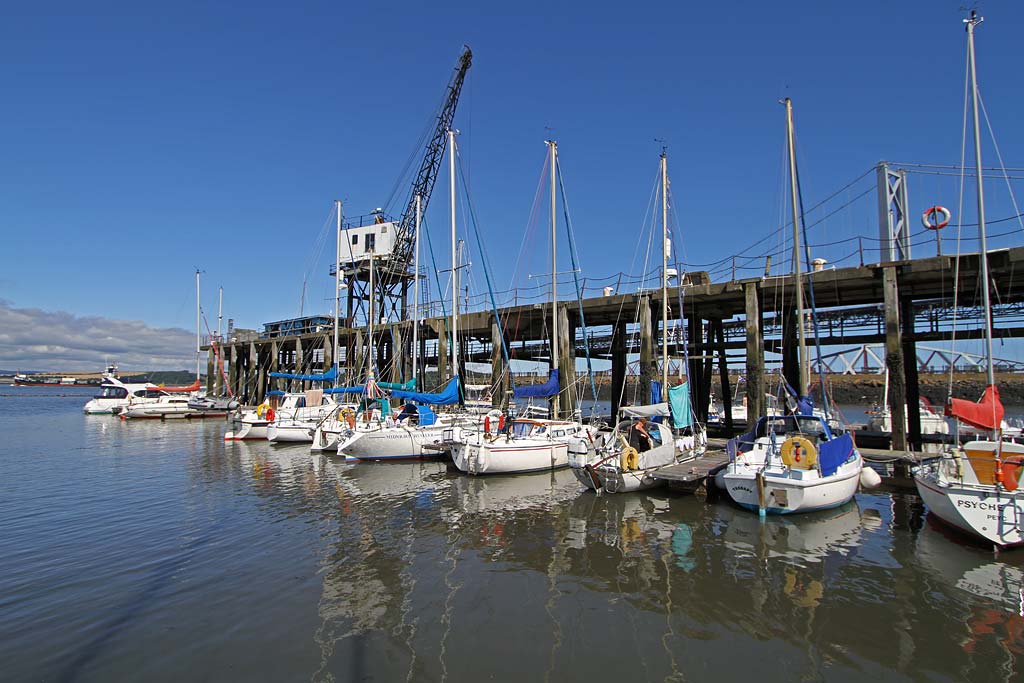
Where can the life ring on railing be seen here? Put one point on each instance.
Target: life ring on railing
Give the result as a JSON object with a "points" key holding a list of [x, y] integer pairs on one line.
{"points": [[349, 416], [930, 218], [271, 414], [799, 453], [487, 425], [261, 410], [629, 459]]}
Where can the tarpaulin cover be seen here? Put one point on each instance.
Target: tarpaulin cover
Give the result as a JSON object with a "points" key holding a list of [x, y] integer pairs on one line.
{"points": [[679, 401], [328, 376], [656, 396], [655, 410], [549, 388], [449, 396], [987, 413], [804, 404], [832, 454], [426, 416]]}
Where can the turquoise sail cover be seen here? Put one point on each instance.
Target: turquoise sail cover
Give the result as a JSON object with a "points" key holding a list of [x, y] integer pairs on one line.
{"points": [[449, 396]]}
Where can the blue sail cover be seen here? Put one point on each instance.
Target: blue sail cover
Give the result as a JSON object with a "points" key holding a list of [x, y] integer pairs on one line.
{"points": [[355, 389], [656, 392], [832, 454], [328, 376], [549, 388], [679, 404], [448, 397], [804, 404]]}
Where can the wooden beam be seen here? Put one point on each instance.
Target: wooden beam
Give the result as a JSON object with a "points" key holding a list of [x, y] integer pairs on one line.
{"points": [[894, 359], [755, 356]]}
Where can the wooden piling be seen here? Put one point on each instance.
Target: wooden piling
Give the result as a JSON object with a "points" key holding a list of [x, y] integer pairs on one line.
{"points": [[499, 376], [567, 361], [648, 370], [723, 372], [618, 348], [911, 380], [894, 359], [755, 356]]}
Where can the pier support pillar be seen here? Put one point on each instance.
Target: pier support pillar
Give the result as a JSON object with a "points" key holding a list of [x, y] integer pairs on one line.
{"points": [[910, 373], [894, 360], [723, 373], [648, 370], [328, 353], [696, 350], [566, 361], [299, 357], [233, 370], [499, 374], [250, 375], [618, 367], [442, 352], [211, 364], [261, 375], [755, 356], [275, 357]]}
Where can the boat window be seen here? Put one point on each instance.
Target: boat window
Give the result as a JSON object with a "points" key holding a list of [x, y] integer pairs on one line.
{"points": [[369, 242], [113, 392], [558, 432], [520, 429]]}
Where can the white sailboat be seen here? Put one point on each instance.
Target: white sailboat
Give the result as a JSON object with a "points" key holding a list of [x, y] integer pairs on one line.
{"points": [[304, 406], [975, 488], [639, 447], [793, 463], [525, 445]]}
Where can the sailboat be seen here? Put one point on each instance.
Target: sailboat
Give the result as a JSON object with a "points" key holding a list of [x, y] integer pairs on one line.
{"points": [[173, 404], [627, 460], [793, 463], [976, 486], [526, 445]]}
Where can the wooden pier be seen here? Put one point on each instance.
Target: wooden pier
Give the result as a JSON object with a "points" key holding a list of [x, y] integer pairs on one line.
{"points": [[750, 315]]}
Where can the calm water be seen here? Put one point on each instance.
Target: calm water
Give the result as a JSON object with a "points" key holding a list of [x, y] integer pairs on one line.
{"points": [[153, 551]]}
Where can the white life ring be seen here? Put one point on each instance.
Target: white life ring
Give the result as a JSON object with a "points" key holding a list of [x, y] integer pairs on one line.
{"points": [[933, 213]]}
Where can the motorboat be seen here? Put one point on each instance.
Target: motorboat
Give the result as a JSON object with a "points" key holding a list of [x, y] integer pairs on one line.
{"points": [[115, 395], [166, 406]]}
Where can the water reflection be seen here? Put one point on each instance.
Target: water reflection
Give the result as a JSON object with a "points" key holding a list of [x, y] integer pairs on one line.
{"points": [[166, 539]]}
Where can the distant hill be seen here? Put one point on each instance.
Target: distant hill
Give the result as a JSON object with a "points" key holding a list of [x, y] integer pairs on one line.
{"points": [[168, 377]]}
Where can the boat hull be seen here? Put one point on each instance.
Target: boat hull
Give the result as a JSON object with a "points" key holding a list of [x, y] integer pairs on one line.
{"points": [[503, 457], [986, 513], [395, 443], [785, 495], [290, 433]]}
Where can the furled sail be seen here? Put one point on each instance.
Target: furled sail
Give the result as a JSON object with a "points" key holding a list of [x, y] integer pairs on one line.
{"points": [[328, 376], [449, 396], [679, 401], [549, 388], [987, 413]]}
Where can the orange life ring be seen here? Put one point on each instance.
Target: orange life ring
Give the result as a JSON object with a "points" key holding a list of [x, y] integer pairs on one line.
{"points": [[931, 218]]}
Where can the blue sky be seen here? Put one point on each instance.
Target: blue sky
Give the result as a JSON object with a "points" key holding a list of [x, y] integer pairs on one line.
{"points": [[140, 143]]}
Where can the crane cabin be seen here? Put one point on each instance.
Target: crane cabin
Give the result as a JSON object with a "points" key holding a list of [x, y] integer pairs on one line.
{"points": [[377, 237]]}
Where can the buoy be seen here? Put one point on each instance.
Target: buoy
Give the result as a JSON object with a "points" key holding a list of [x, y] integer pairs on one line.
{"points": [[935, 218], [869, 479]]}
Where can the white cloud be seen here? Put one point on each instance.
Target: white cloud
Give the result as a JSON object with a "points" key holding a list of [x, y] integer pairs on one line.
{"points": [[34, 339]]}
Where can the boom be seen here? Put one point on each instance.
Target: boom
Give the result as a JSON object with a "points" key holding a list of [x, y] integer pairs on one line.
{"points": [[401, 258]]}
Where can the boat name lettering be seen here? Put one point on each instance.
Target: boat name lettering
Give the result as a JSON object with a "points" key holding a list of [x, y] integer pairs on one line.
{"points": [[976, 505]]}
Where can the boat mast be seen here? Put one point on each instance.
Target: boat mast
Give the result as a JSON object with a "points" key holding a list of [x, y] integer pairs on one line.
{"points": [[554, 272], [664, 275], [373, 314], [802, 333], [199, 345], [220, 309], [986, 304], [455, 265], [416, 291], [337, 286]]}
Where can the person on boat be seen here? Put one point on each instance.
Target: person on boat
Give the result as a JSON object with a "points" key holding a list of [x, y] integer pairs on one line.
{"points": [[408, 412], [639, 438]]}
